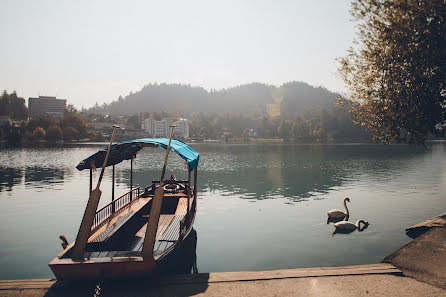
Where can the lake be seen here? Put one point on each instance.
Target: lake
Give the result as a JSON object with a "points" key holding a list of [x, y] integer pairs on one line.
{"points": [[260, 207]]}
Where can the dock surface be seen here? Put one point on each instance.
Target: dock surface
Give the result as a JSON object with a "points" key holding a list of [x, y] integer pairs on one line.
{"points": [[424, 258], [361, 280]]}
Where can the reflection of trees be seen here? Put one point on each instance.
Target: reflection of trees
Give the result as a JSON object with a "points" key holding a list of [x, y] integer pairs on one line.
{"points": [[9, 177], [266, 171], [41, 176], [297, 171]]}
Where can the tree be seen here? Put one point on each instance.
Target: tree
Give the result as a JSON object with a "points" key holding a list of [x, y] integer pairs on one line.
{"points": [[397, 72], [76, 122], [53, 134], [70, 133], [38, 134], [70, 109], [284, 130], [13, 106]]}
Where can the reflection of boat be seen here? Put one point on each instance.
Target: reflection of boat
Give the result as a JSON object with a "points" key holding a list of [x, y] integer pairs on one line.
{"points": [[118, 245]]}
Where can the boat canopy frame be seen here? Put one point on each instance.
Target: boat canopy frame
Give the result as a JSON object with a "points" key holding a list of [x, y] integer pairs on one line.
{"points": [[127, 150]]}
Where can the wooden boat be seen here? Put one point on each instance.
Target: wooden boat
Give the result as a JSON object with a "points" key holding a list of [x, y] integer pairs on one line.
{"points": [[119, 241]]}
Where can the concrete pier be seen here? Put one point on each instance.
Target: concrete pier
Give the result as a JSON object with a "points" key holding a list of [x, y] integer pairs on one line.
{"points": [[424, 258], [363, 280]]}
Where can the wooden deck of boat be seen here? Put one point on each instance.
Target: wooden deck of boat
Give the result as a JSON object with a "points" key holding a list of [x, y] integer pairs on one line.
{"points": [[116, 222], [168, 229]]}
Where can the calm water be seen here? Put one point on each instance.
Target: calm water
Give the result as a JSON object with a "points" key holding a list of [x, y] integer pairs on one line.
{"points": [[260, 206]]}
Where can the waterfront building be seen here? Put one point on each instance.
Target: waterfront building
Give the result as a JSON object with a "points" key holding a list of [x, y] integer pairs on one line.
{"points": [[46, 106], [181, 129], [103, 126], [161, 128]]}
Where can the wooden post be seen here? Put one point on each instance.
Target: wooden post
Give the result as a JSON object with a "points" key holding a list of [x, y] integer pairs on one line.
{"points": [[188, 190], [131, 177], [155, 210], [90, 212], [195, 183], [91, 178], [113, 189], [188, 180]]}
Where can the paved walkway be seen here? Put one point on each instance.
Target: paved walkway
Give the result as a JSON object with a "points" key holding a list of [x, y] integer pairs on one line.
{"points": [[362, 280]]}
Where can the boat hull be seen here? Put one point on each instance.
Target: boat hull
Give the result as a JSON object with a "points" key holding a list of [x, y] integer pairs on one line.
{"points": [[99, 268], [122, 267]]}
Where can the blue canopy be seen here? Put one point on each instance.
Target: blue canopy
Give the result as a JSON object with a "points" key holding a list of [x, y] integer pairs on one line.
{"points": [[128, 149]]}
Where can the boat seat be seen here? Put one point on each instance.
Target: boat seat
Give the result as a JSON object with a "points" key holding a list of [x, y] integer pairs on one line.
{"points": [[113, 228], [123, 216]]}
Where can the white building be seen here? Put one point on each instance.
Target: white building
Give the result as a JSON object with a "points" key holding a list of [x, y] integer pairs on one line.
{"points": [[162, 128]]}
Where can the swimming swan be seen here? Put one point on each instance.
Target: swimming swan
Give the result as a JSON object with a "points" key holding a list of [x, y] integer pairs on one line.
{"points": [[337, 214], [348, 227]]}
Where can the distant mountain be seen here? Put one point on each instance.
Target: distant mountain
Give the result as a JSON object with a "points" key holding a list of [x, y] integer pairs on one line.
{"points": [[290, 97]]}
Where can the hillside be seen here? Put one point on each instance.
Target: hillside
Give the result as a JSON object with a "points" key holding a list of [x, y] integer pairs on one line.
{"points": [[250, 98]]}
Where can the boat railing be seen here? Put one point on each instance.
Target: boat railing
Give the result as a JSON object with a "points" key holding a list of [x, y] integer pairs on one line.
{"points": [[108, 210], [188, 218]]}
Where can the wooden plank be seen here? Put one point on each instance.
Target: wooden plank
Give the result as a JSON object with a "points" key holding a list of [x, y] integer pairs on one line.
{"points": [[172, 233], [134, 207], [138, 245], [156, 245], [26, 284], [111, 253], [86, 223], [162, 246], [216, 277], [175, 195], [103, 254], [90, 211], [152, 226], [169, 244], [164, 222], [182, 207], [94, 255]]}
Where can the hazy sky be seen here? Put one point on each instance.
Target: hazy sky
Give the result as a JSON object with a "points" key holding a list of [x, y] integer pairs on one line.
{"points": [[94, 51]]}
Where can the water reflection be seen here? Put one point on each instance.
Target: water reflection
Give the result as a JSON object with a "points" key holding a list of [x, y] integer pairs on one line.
{"points": [[40, 177], [335, 220], [35, 177], [9, 177], [184, 259], [296, 172], [346, 227]]}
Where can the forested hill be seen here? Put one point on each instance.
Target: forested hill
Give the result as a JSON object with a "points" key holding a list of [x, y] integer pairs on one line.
{"points": [[252, 98]]}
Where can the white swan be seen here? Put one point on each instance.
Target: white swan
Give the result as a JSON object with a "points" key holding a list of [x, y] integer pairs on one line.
{"points": [[337, 214], [348, 227]]}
